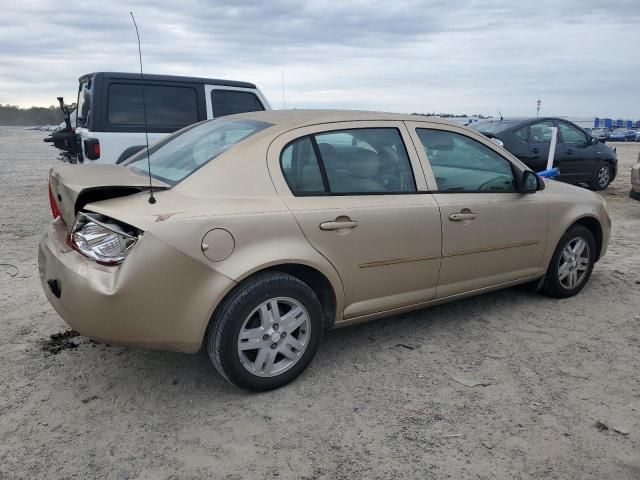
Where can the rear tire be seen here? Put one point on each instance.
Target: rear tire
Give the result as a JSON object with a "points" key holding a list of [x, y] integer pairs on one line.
{"points": [[266, 332], [602, 178], [571, 264]]}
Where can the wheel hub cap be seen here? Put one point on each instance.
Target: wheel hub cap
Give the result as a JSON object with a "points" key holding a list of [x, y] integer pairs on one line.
{"points": [[274, 336], [574, 263]]}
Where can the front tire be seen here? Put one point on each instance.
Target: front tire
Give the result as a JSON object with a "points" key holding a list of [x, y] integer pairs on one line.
{"points": [[266, 332], [602, 178], [571, 264]]}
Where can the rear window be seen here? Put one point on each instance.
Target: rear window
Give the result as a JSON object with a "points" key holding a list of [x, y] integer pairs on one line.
{"points": [[228, 102], [167, 106], [184, 152], [492, 126]]}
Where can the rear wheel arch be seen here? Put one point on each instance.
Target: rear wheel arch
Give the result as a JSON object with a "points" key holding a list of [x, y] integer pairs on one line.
{"points": [[314, 278]]}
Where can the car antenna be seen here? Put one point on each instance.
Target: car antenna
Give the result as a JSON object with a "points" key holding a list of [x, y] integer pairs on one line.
{"points": [[500, 113], [152, 199]]}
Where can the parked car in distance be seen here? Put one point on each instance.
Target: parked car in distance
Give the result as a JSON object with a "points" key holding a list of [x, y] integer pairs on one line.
{"points": [[637, 135], [622, 135], [602, 134], [110, 123], [579, 157], [635, 180], [270, 227]]}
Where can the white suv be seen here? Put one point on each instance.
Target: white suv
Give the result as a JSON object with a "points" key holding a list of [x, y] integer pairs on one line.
{"points": [[109, 125]]}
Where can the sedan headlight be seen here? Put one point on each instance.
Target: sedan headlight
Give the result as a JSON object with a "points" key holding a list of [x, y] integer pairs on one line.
{"points": [[102, 239]]}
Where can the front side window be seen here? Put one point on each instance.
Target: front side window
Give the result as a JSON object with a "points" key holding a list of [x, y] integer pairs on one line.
{"points": [[166, 106], [184, 152], [461, 164], [354, 161], [571, 134], [228, 102]]}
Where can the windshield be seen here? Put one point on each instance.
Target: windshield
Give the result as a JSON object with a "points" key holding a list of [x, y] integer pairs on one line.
{"points": [[184, 152], [491, 126]]}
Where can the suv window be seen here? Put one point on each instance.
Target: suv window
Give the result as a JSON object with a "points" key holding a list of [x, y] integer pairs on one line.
{"points": [[571, 134], [228, 102], [166, 106], [541, 131], [355, 161], [83, 108], [461, 164]]}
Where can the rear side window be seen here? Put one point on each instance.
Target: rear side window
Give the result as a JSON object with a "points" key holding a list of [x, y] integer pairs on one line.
{"points": [[356, 161], [166, 106], [84, 103], [541, 131], [462, 164], [300, 167], [228, 102]]}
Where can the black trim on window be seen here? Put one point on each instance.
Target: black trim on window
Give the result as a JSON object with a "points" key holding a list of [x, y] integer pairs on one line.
{"points": [[323, 171]]}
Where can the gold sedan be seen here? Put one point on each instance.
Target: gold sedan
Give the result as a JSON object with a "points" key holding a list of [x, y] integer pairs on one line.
{"points": [[264, 229]]}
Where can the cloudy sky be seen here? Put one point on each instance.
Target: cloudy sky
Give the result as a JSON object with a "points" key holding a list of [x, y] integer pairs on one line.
{"points": [[581, 57]]}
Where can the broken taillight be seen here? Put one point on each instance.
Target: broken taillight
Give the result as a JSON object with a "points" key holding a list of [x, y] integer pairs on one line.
{"points": [[55, 211]]}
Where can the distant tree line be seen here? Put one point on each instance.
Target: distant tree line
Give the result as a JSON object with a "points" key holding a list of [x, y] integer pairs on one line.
{"points": [[34, 116]]}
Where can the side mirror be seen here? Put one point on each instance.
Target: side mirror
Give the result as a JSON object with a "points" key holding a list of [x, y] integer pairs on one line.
{"points": [[531, 183], [593, 140]]}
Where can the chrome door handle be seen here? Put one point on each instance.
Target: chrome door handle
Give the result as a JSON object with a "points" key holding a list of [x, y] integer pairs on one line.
{"points": [[458, 217], [337, 225]]}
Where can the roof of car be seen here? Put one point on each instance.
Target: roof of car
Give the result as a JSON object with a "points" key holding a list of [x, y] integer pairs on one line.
{"points": [[169, 78], [293, 118]]}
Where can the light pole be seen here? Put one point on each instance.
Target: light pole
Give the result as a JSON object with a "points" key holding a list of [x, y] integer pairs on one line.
{"points": [[539, 102]]}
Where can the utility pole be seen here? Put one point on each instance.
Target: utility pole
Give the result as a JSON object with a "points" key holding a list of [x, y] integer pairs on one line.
{"points": [[539, 102]]}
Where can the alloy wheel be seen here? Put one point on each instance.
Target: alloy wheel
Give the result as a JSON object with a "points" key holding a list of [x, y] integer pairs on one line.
{"points": [[574, 263], [274, 336], [603, 176]]}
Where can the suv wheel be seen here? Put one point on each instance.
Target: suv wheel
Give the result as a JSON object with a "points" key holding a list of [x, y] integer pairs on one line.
{"points": [[266, 332], [571, 264], [602, 177]]}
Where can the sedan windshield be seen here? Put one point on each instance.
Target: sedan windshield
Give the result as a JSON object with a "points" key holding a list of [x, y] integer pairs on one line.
{"points": [[184, 152]]}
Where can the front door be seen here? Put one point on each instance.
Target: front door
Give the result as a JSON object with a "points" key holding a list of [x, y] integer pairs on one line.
{"points": [[491, 233], [357, 191], [575, 155]]}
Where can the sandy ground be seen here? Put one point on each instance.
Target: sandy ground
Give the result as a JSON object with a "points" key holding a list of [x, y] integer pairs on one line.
{"points": [[382, 400]]}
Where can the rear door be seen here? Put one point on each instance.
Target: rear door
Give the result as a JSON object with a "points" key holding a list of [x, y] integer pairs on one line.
{"points": [[540, 134], [359, 195], [491, 233], [576, 157]]}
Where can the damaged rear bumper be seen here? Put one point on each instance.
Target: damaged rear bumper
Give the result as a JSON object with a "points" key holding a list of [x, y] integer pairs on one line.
{"points": [[157, 298]]}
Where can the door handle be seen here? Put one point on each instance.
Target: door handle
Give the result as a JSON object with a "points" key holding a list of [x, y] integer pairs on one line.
{"points": [[535, 150], [459, 217], [338, 224], [569, 151]]}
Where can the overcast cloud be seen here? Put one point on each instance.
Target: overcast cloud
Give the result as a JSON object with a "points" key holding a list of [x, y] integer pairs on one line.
{"points": [[580, 57]]}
